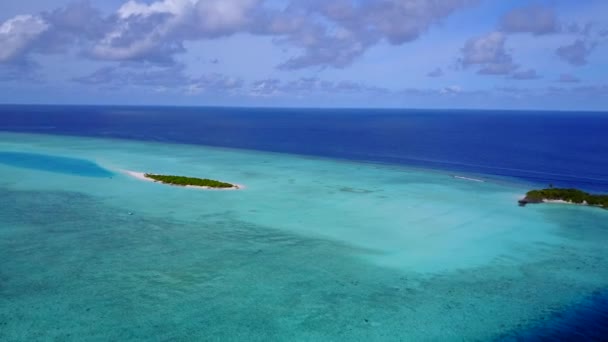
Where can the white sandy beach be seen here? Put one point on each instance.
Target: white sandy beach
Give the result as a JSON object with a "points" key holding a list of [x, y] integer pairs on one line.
{"points": [[567, 202], [562, 202]]}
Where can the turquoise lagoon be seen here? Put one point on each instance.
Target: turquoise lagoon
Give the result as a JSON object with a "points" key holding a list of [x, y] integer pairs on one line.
{"points": [[313, 249]]}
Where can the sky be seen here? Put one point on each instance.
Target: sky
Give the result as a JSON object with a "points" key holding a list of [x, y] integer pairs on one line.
{"points": [[478, 54]]}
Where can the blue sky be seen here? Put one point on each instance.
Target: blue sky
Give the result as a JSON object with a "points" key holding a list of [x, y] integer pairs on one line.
{"points": [[311, 53]]}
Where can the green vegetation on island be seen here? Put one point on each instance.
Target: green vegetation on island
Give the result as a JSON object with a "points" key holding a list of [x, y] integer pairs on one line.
{"points": [[185, 181], [569, 195]]}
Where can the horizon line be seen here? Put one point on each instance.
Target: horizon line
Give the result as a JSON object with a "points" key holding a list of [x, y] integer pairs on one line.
{"points": [[309, 108]]}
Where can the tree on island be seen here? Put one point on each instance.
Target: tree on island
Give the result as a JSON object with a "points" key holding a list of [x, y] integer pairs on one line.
{"points": [[568, 195], [185, 181]]}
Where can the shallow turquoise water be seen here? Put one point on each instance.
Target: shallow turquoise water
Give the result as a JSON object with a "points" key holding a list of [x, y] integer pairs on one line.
{"points": [[312, 249]]}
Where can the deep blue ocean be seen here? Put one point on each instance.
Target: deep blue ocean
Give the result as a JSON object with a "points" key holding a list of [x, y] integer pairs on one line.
{"points": [[566, 149]]}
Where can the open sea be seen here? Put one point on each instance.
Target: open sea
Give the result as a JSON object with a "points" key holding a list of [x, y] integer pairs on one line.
{"points": [[354, 225]]}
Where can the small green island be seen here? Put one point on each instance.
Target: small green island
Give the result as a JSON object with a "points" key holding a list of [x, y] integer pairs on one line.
{"points": [[190, 181], [574, 196]]}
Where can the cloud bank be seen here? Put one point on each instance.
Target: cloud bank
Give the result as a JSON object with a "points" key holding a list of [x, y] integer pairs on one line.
{"points": [[534, 19], [324, 33]]}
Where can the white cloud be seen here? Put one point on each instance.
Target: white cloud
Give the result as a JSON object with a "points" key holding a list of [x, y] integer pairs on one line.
{"points": [[325, 33], [485, 49], [135, 8], [18, 34], [156, 31], [224, 17], [454, 89], [438, 72], [488, 52], [575, 53], [533, 19], [355, 26]]}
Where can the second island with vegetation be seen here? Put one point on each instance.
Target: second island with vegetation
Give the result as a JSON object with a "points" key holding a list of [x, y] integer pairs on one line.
{"points": [[190, 181], [573, 196]]}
